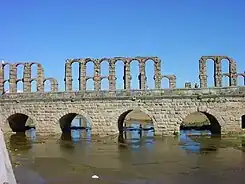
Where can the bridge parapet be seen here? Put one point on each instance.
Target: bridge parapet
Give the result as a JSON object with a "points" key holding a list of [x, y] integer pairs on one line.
{"points": [[124, 94]]}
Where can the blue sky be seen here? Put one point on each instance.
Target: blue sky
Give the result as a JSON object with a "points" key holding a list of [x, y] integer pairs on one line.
{"points": [[179, 32]]}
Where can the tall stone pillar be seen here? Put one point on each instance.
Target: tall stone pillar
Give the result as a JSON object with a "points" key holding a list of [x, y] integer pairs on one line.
{"points": [[127, 76], [203, 72], [82, 76], [68, 76], [54, 85], [217, 72], [157, 72], [172, 81], [27, 77], [112, 75], [232, 72], [97, 77], [13, 79], [142, 76], [40, 78], [1, 78]]}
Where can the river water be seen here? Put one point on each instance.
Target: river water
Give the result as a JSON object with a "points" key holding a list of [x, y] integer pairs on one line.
{"points": [[172, 160]]}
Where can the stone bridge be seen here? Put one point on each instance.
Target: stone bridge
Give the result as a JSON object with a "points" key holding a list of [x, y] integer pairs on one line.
{"points": [[52, 112]]}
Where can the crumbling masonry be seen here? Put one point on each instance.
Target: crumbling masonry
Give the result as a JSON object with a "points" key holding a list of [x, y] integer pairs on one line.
{"points": [[97, 78], [27, 79]]}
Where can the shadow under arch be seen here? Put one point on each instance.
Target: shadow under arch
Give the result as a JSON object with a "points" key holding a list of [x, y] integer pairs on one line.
{"points": [[213, 126], [141, 118], [65, 122], [20, 122]]}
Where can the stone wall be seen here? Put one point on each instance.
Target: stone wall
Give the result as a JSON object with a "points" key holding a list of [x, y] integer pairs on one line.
{"points": [[167, 108]]}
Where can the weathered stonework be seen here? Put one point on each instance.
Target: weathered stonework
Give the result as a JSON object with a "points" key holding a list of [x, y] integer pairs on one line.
{"points": [[167, 108], [103, 109], [217, 71]]}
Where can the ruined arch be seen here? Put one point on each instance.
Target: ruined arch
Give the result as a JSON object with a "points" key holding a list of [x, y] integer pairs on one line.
{"points": [[64, 118], [19, 121], [119, 73], [36, 68], [20, 69], [217, 70], [33, 85], [210, 122], [75, 75], [104, 85], [225, 79], [6, 86], [53, 85], [241, 76], [90, 84], [165, 79], [150, 73], [19, 85], [104, 67], [134, 68]]}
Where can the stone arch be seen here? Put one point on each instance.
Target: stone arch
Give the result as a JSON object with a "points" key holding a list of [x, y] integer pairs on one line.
{"points": [[242, 75], [70, 114], [168, 79], [213, 116], [20, 69], [124, 112], [20, 114]]}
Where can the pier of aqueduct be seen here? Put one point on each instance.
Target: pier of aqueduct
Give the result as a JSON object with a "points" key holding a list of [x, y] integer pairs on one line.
{"points": [[106, 111]]}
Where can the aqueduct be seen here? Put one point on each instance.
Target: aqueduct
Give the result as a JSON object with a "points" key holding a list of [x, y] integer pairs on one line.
{"points": [[52, 111]]}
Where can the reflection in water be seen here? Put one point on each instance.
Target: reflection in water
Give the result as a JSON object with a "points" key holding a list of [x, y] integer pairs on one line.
{"points": [[31, 133], [193, 141], [19, 141], [135, 136], [164, 162], [80, 129]]}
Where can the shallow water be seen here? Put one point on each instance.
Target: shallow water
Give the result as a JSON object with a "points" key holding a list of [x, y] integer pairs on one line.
{"points": [[171, 160]]}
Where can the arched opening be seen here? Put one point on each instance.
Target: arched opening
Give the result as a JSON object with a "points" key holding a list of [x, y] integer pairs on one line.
{"points": [[20, 71], [165, 83], [6, 86], [6, 69], [210, 72], [200, 132], [134, 126], [90, 69], [200, 123], [105, 84], [47, 86], [22, 124], [20, 86], [243, 121], [225, 80], [149, 70], [225, 72], [241, 79], [75, 76], [34, 70], [90, 84], [119, 70], [134, 73], [33, 85], [75, 127], [104, 68]]}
